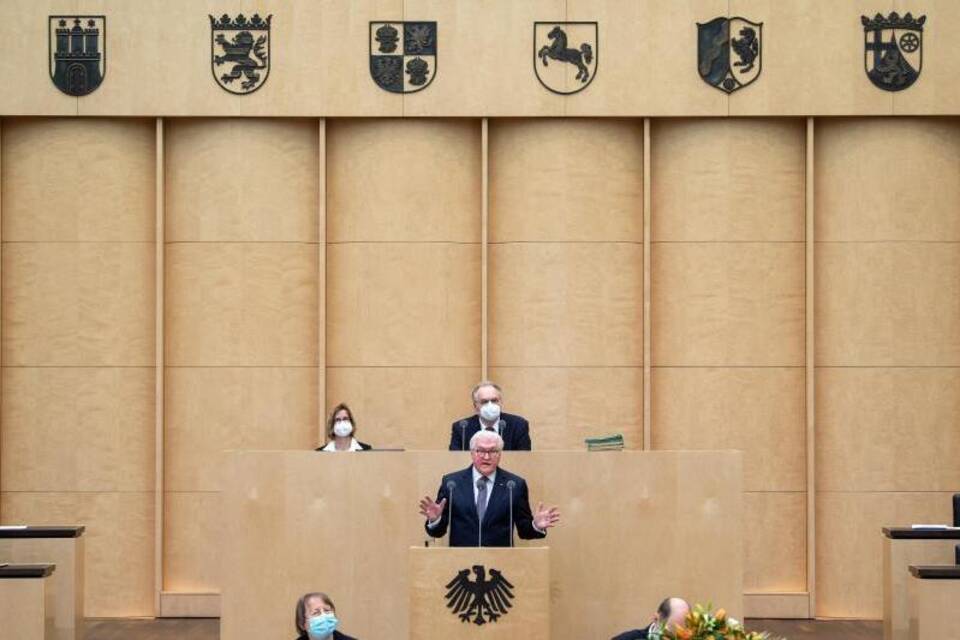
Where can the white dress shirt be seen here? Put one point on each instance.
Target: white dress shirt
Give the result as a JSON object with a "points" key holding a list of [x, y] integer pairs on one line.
{"points": [[354, 446]]}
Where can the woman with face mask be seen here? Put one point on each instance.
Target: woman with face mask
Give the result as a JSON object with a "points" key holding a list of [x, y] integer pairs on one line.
{"points": [[342, 431], [316, 618]]}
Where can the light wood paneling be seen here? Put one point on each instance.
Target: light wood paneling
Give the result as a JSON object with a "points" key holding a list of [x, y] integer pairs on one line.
{"points": [[377, 396], [119, 543], [898, 556], [935, 92], [567, 404], [81, 304], [241, 180], [546, 184], [888, 304], [217, 408], [869, 418], [728, 180], [241, 304], [74, 429], [794, 82], [849, 566], [67, 180], [26, 606], [193, 539], [566, 304], [403, 304], [857, 199], [774, 549], [404, 180], [728, 304], [760, 411]]}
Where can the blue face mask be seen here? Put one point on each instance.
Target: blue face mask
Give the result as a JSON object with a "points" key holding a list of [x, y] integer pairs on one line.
{"points": [[322, 625]]}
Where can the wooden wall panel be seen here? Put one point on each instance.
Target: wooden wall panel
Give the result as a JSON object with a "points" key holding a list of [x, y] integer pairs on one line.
{"points": [[566, 276], [937, 94], [78, 351], [403, 275], [888, 266], [194, 536], [118, 566], [728, 319]]}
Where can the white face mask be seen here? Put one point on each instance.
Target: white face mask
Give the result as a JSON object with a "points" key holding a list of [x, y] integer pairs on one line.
{"points": [[490, 411], [342, 428]]}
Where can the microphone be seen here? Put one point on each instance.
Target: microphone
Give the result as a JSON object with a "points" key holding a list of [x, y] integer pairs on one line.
{"points": [[463, 437], [956, 509], [957, 553], [451, 485], [510, 485]]}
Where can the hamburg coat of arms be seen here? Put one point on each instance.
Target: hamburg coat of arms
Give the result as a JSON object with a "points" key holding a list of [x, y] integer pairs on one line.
{"points": [[893, 50], [240, 52], [78, 53], [565, 55], [729, 52], [403, 55]]}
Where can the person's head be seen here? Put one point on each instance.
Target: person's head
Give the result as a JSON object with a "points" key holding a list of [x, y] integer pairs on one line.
{"points": [[487, 397], [341, 422], [315, 605], [485, 449], [672, 612]]}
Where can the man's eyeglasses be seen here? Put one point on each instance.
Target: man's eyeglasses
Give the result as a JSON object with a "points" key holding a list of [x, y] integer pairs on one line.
{"points": [[487, 453]]}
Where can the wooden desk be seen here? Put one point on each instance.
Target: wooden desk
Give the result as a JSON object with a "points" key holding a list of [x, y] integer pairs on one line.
{"points": [[63, 547], [933, 593], [636, 527], [902, 547], [26, 601]]}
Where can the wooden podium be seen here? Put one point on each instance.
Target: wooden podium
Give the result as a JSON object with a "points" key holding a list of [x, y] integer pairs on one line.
{"points": [[485, 592]]}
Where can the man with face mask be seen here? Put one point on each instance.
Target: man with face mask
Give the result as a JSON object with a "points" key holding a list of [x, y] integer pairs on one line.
{"points": [[482, 503], [487, 400]]}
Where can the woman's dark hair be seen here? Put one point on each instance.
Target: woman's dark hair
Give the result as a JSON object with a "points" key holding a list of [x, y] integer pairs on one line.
{"points": [[333, 414], [300, 617]]}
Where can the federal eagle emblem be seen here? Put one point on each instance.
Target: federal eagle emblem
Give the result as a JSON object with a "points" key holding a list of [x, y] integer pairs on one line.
{"points": [[481, 600], [240, 52], [729, 52]]}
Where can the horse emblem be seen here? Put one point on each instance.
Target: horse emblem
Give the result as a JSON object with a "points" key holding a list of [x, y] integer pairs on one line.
{"points": [[893, 50], [479, 601], [729, 52], [78, 53], [562, 68], [240, 52], [403, 55]]}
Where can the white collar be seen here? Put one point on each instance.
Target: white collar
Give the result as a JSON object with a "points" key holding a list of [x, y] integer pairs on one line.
{"points": [[476, 476], [354, 445]]}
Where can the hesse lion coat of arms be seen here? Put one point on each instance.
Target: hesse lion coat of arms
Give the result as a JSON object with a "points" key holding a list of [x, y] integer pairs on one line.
{"points": [[403, 55], [240, 52]]}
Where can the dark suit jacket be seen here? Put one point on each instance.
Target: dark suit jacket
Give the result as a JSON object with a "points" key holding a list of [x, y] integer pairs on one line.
{"points": [[515, 432], [465, 530], [636, 634], [336, 636]]}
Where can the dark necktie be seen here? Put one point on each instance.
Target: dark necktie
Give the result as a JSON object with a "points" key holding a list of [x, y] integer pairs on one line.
{"points": [[481, 496]]}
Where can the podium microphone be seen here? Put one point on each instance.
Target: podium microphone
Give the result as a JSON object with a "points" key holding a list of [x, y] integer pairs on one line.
{"points": [[956, 509], [463, 437], [451, 485], [510, 485]]}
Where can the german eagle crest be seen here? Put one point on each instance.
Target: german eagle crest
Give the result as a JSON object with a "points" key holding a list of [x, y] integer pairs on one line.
{"points": [[240, 52], [482, 600]]}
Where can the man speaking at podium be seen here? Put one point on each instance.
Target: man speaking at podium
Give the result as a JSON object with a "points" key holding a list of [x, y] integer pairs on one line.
{"points": [[487, 399], [482, 504]]}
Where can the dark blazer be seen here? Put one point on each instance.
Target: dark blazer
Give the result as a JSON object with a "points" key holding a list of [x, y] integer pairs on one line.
{"points": [[636, 634], [336, 636], [363, 447], [515, 431], [465, 531]]}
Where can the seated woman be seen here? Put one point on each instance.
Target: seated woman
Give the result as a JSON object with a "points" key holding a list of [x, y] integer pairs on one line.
{"points": [[316, 618], [341, 431]]}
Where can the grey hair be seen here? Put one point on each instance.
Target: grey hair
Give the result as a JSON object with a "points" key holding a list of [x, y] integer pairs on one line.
{"points": [[484, 383], [485, 435]]}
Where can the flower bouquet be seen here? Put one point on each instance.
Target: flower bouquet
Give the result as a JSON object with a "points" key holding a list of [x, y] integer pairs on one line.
{"points": [[703, 624]]}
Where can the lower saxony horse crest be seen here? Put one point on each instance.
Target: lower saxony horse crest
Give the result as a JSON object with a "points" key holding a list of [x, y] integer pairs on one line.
{"points": [[729, 52], [565, 55], [403, 55], [240, 52]]}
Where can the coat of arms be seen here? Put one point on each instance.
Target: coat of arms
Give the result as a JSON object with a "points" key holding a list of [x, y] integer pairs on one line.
{"points": [[729, 52], [78, 53], [893, 50], [565, 55], [240, 52], [403, 55], [481, 600]]}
